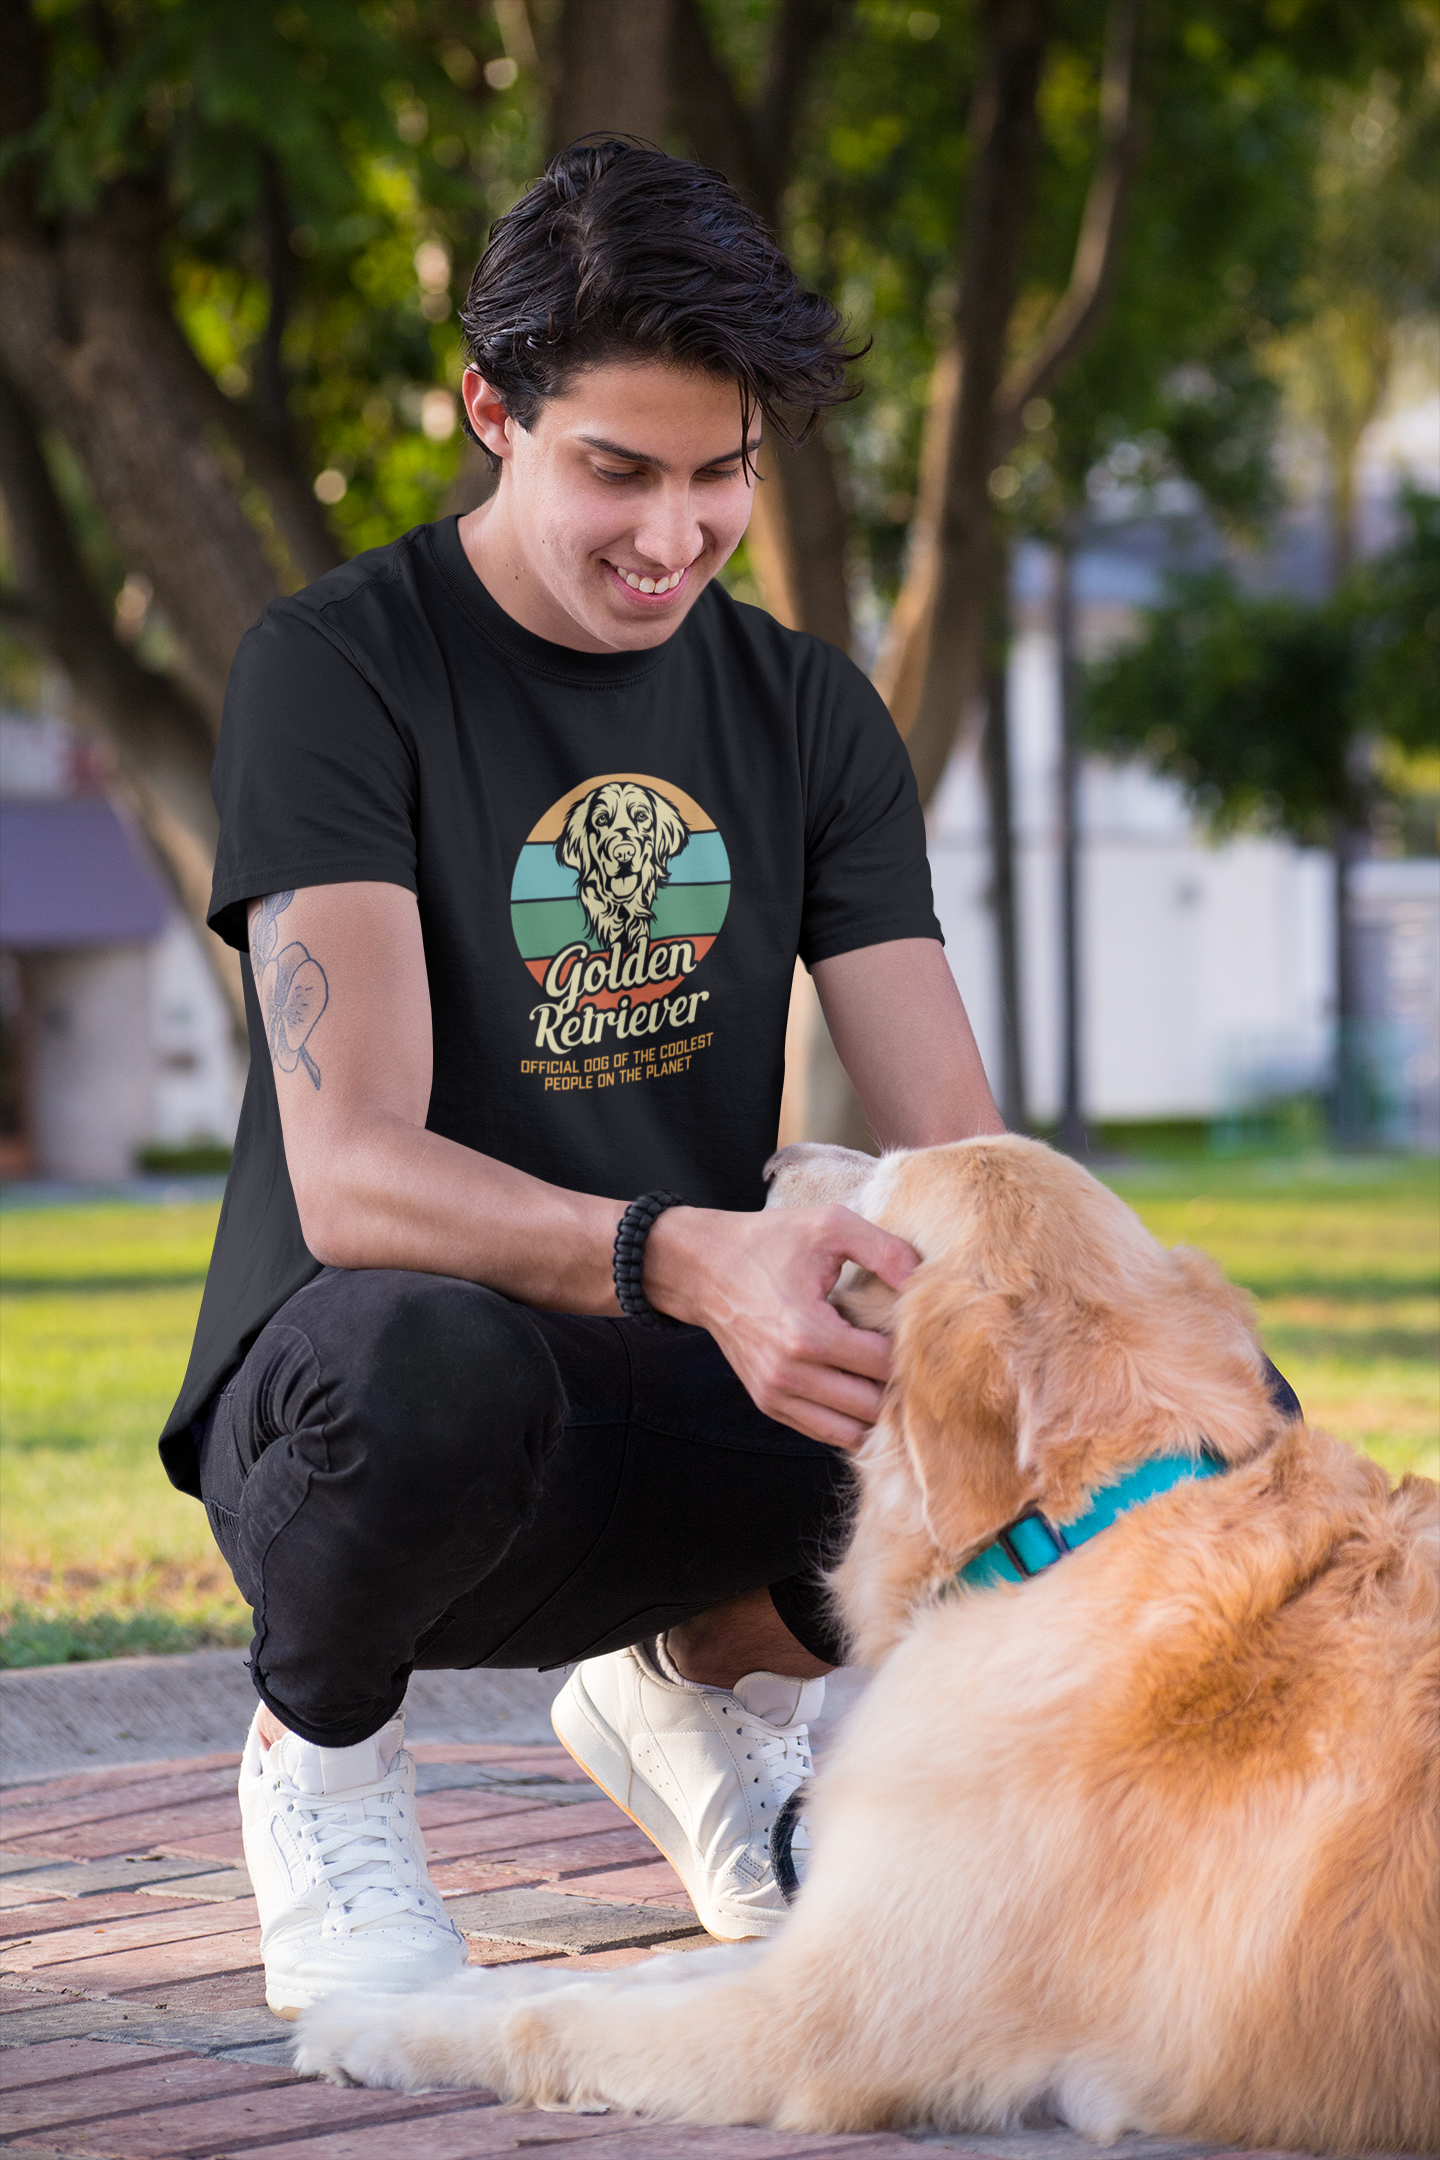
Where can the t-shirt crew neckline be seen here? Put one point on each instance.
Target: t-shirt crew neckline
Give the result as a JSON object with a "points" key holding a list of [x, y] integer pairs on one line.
{"points": [[521, 647]]}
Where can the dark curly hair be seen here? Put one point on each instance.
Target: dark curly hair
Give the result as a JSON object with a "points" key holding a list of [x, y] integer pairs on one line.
{"points": [[620, 252]]}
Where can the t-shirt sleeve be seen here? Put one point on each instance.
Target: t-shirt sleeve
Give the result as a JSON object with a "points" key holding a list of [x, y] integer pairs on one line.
{"points": [[867, 878], [314, 781]]}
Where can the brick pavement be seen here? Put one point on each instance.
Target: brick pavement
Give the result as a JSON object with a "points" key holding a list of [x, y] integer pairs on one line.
{"points": [[132, 2016]]}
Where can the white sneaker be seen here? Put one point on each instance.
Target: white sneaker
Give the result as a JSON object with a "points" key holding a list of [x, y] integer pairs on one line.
{"points": [[337, 1864], [702, 1771]]}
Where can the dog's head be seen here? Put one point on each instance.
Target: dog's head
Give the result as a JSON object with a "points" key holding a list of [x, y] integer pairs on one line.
{"points": [[619, 839], [1045, 1345]]}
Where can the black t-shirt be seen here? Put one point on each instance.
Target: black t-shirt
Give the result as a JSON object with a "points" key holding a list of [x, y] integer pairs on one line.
{"points": [[617, 858]]}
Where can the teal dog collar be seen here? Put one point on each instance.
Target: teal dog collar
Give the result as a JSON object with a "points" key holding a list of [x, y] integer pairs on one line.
{"points": [[1033, 1543]]}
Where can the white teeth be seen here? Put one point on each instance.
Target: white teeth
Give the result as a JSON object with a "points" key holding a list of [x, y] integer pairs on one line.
{"points": [[652, 585]]}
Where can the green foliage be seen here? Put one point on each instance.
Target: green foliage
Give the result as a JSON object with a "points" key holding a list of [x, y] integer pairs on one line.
{"points": [[327, 170], [1395, 603], [1265, 709], [62, 1635], [341, 160], [196, 1158]]}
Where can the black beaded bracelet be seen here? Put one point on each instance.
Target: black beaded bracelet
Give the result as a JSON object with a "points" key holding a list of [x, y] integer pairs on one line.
{"points": [[631, 1232]]}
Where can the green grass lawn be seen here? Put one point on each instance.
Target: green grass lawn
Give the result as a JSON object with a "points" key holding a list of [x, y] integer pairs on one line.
{"points": [[97, 1303]]}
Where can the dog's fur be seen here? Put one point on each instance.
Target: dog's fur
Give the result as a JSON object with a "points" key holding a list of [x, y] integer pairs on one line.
{"points": [[1148, 1843], [619, 840]]}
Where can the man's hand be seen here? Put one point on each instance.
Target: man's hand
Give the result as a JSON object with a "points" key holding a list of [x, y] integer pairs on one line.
{"points": [[759, 1283]]}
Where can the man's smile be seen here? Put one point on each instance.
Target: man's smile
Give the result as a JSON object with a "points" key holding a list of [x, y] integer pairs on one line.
{"points": [[640, 586]]}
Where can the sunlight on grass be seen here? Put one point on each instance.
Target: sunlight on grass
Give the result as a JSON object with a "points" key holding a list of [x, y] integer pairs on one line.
{"points": [[1344, 1262], [102, 1557]]}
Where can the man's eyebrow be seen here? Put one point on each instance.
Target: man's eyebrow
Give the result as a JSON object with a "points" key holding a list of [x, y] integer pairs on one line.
{"points": [[643, 457]]}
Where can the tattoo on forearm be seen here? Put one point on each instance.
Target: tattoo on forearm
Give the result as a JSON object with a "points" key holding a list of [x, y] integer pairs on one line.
{"points": [[291, 987]]}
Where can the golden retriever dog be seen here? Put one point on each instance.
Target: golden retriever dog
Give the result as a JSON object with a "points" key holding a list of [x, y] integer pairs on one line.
{"points": [[619, 840], [1145, 1842]]}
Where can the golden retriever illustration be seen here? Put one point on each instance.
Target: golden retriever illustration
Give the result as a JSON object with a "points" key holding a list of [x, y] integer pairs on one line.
{"points": [[1147, 1842], [619, 840]]}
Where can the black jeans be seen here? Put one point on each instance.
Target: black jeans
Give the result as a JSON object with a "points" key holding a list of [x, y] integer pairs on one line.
{"points": [[408, 1470]]}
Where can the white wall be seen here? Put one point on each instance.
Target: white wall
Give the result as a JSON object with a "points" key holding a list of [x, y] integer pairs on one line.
{"points": [[127, 1044], [1190, 953], [198, 1076], [91, 1077]]}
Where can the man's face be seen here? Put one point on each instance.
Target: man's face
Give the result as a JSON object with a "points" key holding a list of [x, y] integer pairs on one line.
{"points": [[632, 478]]}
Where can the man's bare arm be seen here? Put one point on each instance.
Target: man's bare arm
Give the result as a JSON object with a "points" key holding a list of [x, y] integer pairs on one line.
{"points": [[340, 974], [903, 1035]]}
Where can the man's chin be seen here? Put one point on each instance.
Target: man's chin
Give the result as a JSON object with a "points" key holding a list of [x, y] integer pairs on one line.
{"points": [[632, 631]]}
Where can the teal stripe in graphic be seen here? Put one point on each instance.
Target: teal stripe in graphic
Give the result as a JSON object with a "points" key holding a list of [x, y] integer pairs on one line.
{"points": [[538, 876], [542, 926]]}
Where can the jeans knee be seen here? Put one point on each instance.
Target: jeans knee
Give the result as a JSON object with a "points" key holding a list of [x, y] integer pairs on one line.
{"points": [[443, 1387]]}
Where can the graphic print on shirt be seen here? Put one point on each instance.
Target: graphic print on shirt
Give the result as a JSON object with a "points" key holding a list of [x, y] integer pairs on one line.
{"points": [[619, 893]]}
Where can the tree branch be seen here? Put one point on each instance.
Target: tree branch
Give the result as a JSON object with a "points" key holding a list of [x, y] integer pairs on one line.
{"points": [[161, 739], [798, 528], [1097, 250], [946, 618], [709, 109], [753, 147], [803, 27]]}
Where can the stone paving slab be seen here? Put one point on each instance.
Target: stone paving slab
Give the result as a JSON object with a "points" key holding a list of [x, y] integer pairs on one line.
{"points": [[43, 1879], [547, 1921], [59, 1718], [62, 1916]]}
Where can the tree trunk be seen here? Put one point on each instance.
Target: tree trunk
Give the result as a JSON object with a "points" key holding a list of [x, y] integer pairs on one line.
{"points": [[798, 528], [995, 749], [1073, 1135], [1350, 1117], [973, 421], [797, 539], [1005, 132], [614, 73], [89, 340], [161, 740]]}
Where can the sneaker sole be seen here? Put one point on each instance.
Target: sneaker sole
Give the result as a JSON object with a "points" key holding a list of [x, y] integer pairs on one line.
{"points": [[289, 1999], [589, 1741]]}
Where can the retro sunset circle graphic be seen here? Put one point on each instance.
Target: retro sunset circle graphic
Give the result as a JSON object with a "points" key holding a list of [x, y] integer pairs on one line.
{"points": [[618, 894]]}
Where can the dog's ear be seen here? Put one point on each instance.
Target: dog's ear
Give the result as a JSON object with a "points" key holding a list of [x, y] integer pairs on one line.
{"points": [[1099, 1387], [572, 849], [955, 1406], [671, 831]]}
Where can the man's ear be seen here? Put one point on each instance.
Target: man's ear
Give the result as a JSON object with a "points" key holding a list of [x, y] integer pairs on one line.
{"points": [[486, 412], [955, 1399], [571, 848]]}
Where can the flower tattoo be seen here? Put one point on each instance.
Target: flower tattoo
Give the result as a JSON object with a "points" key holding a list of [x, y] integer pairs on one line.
{"points": [[291, 987]]}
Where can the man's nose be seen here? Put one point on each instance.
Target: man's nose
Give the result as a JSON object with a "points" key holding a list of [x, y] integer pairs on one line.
{"points": [[669, 533]]}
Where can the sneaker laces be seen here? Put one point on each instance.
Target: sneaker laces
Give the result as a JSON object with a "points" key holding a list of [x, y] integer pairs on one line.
{"points": [[786, 1756], [357, 1844]]}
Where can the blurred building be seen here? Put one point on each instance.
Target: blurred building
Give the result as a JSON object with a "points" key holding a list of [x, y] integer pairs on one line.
{"points": [[116, 1038], [1207, 971]]}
